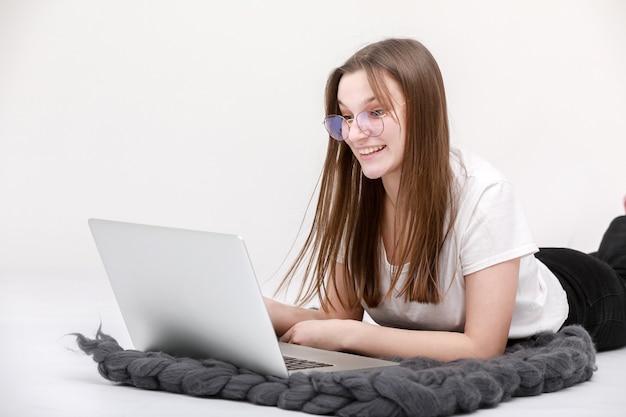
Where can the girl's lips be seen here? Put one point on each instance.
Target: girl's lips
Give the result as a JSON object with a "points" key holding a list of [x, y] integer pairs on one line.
{"points": [[371, 150]]}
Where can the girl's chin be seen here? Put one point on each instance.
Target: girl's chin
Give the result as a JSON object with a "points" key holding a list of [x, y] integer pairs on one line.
{"points": [[372, 174], [378, 172]]}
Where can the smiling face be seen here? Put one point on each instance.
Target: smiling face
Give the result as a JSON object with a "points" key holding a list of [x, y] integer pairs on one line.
{"points": [[380, 156]]}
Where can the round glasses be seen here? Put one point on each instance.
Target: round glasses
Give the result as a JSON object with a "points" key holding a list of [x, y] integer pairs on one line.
{"points": [[369, 122]]}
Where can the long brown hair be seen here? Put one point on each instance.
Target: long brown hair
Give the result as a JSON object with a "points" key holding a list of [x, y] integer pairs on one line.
{"points": [[347, 220]]}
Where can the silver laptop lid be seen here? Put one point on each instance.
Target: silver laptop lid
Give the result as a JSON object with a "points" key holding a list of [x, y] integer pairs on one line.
{"points": [[189, 293]]}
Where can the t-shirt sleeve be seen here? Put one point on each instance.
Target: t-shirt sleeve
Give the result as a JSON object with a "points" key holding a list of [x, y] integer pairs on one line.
{"points": [[494, 228]]}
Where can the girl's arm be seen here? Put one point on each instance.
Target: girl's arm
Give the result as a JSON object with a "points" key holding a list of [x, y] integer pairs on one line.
{"points": [[490, 299], [284, 316]]}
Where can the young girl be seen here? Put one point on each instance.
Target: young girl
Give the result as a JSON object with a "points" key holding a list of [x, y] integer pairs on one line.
{"points": [[431, 241]]}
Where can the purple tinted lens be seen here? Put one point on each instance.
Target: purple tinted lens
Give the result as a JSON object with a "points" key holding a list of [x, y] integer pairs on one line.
{"points": [[370, 123], [334, 126]]}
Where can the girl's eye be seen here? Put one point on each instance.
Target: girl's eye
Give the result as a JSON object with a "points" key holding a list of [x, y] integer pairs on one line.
{"points": [[377, 113]]}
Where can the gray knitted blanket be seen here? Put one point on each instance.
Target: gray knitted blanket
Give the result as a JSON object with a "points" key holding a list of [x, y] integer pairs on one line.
{"points": [[417, 387]]}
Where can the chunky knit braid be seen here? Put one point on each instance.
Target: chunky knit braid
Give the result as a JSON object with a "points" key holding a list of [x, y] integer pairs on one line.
{"points": [[417, 387]]}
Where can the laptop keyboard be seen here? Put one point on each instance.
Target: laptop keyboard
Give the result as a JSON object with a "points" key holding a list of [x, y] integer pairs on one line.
{"points": [[298, 363]]}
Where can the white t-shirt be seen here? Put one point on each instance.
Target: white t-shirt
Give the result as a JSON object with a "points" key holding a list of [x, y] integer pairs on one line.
{"points": [[490, 228]]}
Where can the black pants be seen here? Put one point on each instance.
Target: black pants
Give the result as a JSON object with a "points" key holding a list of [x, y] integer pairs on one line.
{"points": [[595, 285]]}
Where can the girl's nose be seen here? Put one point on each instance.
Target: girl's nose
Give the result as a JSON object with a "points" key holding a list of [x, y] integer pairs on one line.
{"points": [[355, 133]]}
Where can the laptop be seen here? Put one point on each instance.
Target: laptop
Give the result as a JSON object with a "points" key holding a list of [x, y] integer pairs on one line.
{"points": [[194, 294]]}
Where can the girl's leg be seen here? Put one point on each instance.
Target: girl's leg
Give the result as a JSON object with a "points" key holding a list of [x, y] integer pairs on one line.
{"points": [[595, 285], [613, 246]]}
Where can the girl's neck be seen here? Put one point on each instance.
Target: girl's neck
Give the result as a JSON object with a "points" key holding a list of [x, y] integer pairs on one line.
{"points": [[391, 186], [390, 229]]}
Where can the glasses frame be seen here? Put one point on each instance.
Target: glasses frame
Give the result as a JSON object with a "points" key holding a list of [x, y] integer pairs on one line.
{"points": [[355, 118]]}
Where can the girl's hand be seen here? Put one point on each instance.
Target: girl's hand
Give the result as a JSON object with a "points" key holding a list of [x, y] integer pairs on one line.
{"points": [[329, 334]]}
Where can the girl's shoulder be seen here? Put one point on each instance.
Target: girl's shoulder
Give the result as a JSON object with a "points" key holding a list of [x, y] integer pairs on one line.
{"points": [[468, 165], [480, 185]]}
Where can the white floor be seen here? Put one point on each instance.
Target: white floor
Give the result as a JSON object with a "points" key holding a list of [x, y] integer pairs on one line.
{"points": [[42, 373]]}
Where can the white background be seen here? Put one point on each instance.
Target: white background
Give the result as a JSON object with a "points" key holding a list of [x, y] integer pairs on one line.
{"points": [[207, 115]]}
